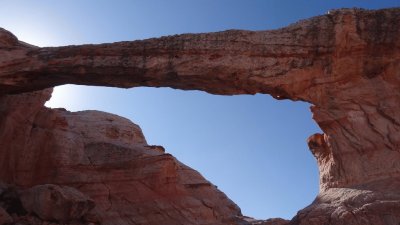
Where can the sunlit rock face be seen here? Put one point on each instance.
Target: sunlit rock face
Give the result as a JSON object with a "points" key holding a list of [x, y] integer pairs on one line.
{"points": [[346, 63], [107, 158]]}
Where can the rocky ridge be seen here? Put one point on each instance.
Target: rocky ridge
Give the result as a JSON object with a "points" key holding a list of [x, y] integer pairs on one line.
{"points": [[346, 63]]}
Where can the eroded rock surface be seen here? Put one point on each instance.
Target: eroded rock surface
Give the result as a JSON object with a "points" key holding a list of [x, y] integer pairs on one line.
{"points": [[366, 204], [107, 158], [346, 63], [56, 203]]}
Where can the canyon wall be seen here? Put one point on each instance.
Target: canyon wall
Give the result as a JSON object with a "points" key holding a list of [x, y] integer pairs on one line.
{"points": [[345, 63]]}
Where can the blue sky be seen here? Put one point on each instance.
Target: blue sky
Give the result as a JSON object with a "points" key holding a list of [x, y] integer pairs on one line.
{"points": [[252, 147]]}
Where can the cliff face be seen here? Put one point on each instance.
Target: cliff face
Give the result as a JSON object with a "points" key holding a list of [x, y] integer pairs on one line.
{"points": [[105, 157], [346, 63]]}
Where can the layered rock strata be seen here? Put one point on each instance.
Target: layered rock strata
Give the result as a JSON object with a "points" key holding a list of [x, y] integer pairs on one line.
{"points": [[346, 63]]}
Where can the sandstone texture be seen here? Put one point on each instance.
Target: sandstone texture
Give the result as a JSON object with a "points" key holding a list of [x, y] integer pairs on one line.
{"points": [[107, 159], [56, 203], [345, 63], [367, 204]]}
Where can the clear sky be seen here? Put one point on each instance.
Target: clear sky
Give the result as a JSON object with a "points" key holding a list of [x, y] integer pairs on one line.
{"points": [[252, 147]]}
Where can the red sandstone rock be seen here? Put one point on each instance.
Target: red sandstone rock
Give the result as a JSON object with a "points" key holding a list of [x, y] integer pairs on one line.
{"points": [[365, 204], [107, 158], [271, 221], [275, 221], [56, 203], [346, 63]]}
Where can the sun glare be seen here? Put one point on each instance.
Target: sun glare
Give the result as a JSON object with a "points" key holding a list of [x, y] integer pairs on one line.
{"points": [[65, 95], [33, 35]]}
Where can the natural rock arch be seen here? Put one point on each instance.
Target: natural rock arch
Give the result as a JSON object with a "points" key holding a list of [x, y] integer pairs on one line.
{"points": [[261, 140], [345, 63]]}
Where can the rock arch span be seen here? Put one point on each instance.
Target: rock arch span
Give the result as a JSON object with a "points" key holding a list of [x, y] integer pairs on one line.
{"points": [[345, 63]]}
